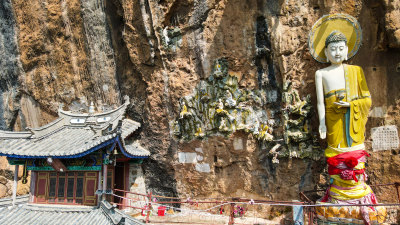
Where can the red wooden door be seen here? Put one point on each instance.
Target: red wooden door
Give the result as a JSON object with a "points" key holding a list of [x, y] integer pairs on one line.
{"points": [[42, 186], [90, 198]]}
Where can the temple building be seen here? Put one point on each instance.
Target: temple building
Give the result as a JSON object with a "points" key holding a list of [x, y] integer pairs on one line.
{"points": [[78, 158]]}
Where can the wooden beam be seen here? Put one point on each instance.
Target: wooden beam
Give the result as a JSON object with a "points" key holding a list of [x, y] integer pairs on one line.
{"points": [[57, 164]]}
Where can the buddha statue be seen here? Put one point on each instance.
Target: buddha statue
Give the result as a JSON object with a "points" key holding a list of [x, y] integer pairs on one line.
{"points": [[343, 103], [343, 99]]}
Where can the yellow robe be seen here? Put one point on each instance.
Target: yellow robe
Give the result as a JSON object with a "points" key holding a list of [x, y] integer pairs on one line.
{"points": [[357, 94], [342, 130]]}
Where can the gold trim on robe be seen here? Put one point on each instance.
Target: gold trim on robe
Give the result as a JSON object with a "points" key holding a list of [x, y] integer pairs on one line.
{"points": [[357, 94]]}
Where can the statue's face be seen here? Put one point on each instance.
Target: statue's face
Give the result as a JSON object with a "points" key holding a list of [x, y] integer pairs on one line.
{"points": [[336, 52]]}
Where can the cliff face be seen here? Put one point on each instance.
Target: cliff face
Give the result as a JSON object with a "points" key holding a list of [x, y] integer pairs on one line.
{"points": [[177, 60]]}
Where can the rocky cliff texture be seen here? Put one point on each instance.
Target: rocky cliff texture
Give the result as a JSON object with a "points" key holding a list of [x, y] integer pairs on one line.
{"points": [[59, 53]]}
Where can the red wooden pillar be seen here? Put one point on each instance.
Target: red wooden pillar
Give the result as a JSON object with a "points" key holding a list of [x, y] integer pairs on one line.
{"points": [[232, 214], [104, 181], [149, 208], [99, 187], [125, 202]]}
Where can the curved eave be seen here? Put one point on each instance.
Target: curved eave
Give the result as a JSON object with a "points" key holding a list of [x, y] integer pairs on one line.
{"points": [[95, 148], [72, 114], [123, 150], [52, 123], [113, 141]]}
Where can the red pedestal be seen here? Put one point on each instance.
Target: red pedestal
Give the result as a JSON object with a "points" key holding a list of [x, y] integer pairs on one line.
{"points": [[161, 210]]}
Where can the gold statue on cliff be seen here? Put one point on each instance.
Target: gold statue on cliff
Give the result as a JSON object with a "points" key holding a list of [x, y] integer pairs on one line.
{"points": [[343, 102]]}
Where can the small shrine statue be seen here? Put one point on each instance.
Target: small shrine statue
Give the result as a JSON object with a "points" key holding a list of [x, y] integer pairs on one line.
{"points": [[229, 102], [220, 108], [218, 69], [184, 112], [343, 102]]}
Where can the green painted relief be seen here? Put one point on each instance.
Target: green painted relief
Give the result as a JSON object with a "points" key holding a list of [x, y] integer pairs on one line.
{"points": [[219, 107], [298, 141]]}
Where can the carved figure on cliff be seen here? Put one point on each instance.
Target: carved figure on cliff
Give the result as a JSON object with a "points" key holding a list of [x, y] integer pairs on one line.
{"points": [[229, 102], [343, 102], [220, 108], [184, 112]]}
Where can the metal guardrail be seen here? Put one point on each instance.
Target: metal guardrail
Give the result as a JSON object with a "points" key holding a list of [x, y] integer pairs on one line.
{"points": [[304, 210], [229, 208]]}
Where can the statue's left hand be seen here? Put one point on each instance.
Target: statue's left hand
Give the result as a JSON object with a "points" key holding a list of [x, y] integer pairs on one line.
{"points": [[342, 103]]}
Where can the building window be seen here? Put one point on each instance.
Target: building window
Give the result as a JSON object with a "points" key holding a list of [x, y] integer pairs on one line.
{"points": [[66, 188]]}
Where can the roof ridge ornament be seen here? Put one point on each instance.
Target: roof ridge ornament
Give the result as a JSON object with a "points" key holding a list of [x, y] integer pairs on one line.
{"points": [[126, 99], [91, 108]]}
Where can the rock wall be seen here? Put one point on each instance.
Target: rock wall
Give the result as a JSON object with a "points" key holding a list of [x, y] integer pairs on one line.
{"points": [[11, 66], [7, 179], [59, 53]]}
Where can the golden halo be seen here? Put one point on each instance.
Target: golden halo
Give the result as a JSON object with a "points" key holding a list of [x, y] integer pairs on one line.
{"points": [[344, 23]]}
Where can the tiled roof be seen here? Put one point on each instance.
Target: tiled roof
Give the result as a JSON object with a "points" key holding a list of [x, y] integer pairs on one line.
{"points": [[32, 214], [66, 141], [5, 202], [72, 135], [136, 149], [128, 127], [117, 216], [63, 214]]}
